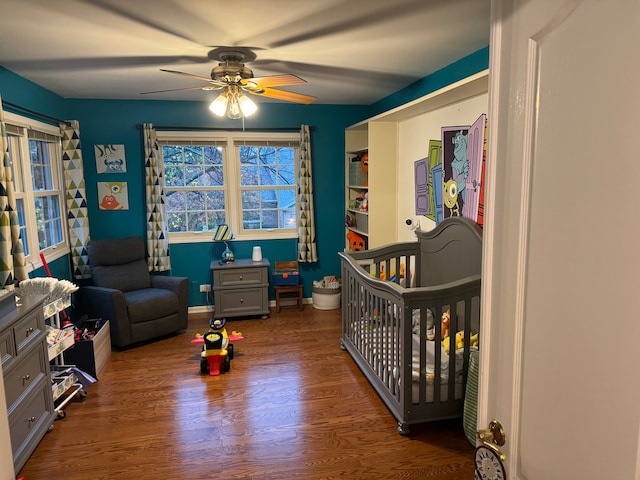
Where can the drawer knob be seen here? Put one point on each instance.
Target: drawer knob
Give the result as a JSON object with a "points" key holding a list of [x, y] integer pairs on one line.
{"points": [[29, 330], [31, 419], [242, 300], [241, 277], [26, 378]]}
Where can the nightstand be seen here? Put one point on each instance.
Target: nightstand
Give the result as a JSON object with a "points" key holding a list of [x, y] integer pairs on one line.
{"points": [[241, 288]]}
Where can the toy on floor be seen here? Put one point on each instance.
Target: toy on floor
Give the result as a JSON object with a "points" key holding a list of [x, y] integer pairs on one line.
{"points": [[217, 349]]}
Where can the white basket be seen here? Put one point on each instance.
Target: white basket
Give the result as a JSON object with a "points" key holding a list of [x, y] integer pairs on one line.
{"points": [[326, 298]]}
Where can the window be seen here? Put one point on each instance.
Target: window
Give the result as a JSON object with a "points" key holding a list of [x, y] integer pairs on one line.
{"points": [[246, 181], [35, 154]]}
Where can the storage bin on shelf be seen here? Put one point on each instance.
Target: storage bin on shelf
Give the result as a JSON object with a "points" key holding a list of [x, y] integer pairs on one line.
{"points": [[326, 293], [357, 175]]}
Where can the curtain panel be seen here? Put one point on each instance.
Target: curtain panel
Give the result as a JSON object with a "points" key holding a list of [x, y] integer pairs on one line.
{"points": [[13, 265], [76, 198], [157, 225], [307, 249]]}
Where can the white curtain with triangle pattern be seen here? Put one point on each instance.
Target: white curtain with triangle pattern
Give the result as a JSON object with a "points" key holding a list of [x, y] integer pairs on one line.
{"points": [[76, 199], [13, 265], [307, 249], [157, 226]]}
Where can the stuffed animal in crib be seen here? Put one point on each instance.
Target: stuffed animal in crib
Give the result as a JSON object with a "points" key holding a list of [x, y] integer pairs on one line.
{"points": [[356, 241], [473, 341], [446, 323]]}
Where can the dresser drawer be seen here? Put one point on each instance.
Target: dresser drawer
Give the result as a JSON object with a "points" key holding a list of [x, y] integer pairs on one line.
{"points": [[30, 421], [234, 277], [247, 301], [28, 329], [7, 347], [28, 370]]}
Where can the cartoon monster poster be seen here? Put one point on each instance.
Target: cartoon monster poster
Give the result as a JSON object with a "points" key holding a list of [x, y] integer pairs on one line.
{"points": [[110, 159], [474, 199], [113, 196], [455, 169], [462, 163], [435, 180]]}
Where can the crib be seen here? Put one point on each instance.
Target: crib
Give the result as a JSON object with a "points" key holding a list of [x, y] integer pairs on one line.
{"points": [[393, 301]]}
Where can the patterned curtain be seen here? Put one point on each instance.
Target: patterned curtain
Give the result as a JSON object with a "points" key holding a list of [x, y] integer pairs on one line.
{"points": [[307, 250], [13, 265], [157, 227], [78, 214]]}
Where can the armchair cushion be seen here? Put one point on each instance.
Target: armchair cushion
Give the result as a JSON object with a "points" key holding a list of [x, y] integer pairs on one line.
{"points": [[119, 264], [150, 303], [125, 277]]}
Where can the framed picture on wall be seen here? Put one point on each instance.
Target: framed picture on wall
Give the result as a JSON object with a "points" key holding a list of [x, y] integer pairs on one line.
{"points": [[110, 158], [113, 196]]}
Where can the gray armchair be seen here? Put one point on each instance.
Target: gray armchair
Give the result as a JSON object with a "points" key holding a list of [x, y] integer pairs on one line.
{"points": [[139, 306]]}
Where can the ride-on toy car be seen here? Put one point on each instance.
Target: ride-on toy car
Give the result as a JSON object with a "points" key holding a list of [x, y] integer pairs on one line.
{"points": [[217, 349]]}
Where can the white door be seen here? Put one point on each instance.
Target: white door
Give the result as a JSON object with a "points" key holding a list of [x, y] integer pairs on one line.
{"points": [[560, 365]]}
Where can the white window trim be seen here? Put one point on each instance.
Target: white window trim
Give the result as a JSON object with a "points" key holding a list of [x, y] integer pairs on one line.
{"points": [[230, 163], [52, 253]]}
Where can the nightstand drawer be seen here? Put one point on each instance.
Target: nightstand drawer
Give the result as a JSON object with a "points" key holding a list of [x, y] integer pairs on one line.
{"points": [[234, 277], [247, 301]]}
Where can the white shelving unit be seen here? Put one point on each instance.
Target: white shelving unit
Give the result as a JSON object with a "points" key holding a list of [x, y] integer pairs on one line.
{"points": [[357, 185], [65, 384], [389, 181]]}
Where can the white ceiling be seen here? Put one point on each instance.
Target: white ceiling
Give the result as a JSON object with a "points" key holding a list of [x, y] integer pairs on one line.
{"points": [[348, 51]]}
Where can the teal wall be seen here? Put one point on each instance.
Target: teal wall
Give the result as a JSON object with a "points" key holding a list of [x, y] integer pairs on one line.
{"points": [[118, 121]]}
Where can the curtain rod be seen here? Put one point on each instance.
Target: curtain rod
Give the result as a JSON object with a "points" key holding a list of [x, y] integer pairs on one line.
{"points": [[37, 114], [275, 129]]}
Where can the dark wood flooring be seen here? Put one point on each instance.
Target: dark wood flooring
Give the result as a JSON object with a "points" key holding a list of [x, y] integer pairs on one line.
{"points": [[293, 406]]}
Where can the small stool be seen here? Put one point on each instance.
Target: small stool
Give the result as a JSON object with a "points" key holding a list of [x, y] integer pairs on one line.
{"points": [[288, 290]]}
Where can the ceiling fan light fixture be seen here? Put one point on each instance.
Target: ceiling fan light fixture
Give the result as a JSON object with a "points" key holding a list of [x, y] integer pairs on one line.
{"points": [[247, 105], [234, 104], [219, 105], [233, 109]]}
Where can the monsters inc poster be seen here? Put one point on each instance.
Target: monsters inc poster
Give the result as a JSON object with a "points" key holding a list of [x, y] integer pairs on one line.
{"points": [[462, 152]]}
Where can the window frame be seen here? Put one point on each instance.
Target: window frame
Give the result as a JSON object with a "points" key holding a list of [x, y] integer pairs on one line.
{"points": [[232, 188], [19, 126]]}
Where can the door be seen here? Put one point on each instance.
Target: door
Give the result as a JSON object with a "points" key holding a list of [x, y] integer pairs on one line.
{"points": [[561, 317]]}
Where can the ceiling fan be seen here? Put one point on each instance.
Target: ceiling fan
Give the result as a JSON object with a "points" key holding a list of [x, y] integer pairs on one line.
{"points": [[235, 78]]}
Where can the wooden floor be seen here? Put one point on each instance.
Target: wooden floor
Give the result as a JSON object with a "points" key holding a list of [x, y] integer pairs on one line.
{"points": [[293, 406]]}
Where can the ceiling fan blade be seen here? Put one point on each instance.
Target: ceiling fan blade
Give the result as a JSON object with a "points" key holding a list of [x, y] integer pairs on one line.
{"points": [[145, 20], [94, 63], [274, 81], [284, 95], [204, 79], [324, 23], [203, 87]]}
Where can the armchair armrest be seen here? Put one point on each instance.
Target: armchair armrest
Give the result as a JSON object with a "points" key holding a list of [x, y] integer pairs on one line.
{"points": [[174, 284], [109, 304]]}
